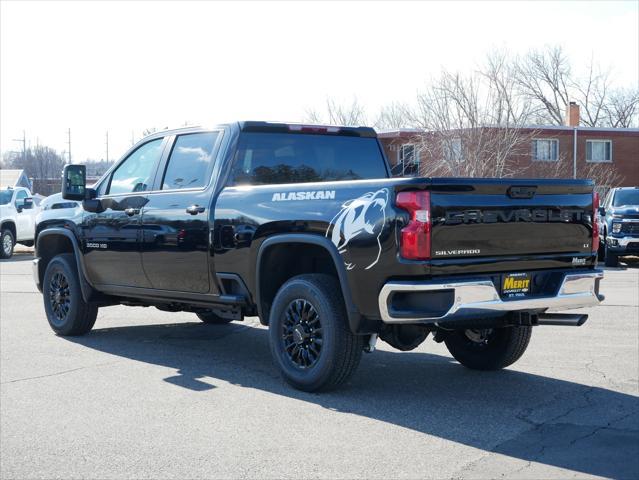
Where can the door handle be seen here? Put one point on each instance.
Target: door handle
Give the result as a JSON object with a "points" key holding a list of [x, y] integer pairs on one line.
{"points": [[131, 211], [195, 209], [241, 237]]}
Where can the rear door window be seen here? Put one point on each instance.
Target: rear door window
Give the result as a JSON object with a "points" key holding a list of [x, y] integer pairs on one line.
{"points": [[190, 161], [271, 158]]}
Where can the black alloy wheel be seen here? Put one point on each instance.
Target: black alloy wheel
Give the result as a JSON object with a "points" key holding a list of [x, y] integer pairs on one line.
{"points": [[302, 333], [59, 298]]}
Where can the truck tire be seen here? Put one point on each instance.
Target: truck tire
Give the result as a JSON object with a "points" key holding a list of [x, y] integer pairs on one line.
{"points": [[488, 349], [310, 339], [612, 259], [67, 312], [213, 319], [7, 242]]}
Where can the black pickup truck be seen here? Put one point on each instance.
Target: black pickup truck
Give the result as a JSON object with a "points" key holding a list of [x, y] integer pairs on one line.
{"points": [[304, 227]]}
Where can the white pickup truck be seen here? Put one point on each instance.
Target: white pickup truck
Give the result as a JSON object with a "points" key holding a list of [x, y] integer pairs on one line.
{"points": [[17, 219]]}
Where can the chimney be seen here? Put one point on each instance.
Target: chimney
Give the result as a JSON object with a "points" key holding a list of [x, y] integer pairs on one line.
{"points": [[572, 115]]}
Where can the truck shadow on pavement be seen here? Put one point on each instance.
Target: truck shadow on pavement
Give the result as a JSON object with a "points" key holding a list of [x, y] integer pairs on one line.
{"points": [[530, 417]]}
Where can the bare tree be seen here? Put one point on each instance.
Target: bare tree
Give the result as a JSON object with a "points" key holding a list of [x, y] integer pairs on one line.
{"points": [[393, 117], [591, 94], [39, 163], [352, 114], [622, 108], [604, 175], [42, 164], [546, 79], [474, 123]]}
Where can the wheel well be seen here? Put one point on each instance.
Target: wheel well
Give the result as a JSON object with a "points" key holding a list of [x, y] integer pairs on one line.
{"points": [[9, 226], [283, 261], [48, 247]]}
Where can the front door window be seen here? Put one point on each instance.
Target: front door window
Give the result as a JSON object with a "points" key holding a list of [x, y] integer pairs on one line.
{"points": [[135, 174]]}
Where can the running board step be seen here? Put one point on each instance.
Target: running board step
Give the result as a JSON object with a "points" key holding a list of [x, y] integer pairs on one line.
{"points": [[563, 319]]}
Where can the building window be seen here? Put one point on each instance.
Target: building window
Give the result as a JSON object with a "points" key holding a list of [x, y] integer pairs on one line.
{"points": [[407, 154], [598, 150], [453, 149], [546, 149], [407, 161]]}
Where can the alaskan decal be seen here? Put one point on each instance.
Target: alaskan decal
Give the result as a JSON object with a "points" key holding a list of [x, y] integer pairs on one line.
{"points": [[361, 217], [314, 195]]}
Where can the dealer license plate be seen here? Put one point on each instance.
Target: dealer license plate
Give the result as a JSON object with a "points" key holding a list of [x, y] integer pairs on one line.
{"points": [[516, 285]]}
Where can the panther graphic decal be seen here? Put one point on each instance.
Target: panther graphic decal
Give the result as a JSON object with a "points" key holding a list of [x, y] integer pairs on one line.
{"points": [[361, 217]]}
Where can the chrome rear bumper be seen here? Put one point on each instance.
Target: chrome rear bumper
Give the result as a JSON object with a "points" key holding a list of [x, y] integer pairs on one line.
{"points": [[476, 298]]}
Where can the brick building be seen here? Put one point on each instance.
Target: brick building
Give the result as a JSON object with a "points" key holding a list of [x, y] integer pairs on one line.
{"points": [[544, 151]]}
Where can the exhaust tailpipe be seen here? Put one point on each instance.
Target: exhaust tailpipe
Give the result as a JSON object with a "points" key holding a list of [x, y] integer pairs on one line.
{"points": [[562, 319]]}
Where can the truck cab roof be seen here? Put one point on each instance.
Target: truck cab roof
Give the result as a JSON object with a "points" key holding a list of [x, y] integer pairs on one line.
{"points": [[272, 127]]}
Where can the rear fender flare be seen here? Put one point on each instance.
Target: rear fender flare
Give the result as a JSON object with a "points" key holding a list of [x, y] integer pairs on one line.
{"points": [[354, 316]]}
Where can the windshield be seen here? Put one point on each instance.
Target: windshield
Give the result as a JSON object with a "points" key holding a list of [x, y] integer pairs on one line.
{"points": [[626, 197], [5, 196]]}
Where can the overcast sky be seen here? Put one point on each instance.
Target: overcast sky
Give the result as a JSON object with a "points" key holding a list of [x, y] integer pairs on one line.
{"points": [[124, 66]]}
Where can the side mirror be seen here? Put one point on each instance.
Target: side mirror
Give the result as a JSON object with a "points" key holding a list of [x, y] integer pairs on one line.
{"points": [[602, 211], [27, 203], [74, 182]]}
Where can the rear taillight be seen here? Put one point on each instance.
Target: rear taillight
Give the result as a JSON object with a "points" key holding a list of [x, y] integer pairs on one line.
{"points": [[415, 239], [595, 221]]}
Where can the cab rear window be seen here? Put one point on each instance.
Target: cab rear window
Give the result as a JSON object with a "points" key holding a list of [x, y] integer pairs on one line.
{"points": [[275, 158]]}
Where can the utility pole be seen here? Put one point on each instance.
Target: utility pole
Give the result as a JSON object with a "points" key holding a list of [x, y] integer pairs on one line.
{"points": [[107, 145], [24, 146], [69, 143], [132, 138]]}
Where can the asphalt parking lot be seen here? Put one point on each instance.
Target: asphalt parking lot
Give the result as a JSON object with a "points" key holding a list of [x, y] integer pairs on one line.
{"points": [[149, 394]]}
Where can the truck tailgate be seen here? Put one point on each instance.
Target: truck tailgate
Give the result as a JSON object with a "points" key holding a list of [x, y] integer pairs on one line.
{"points": [[502, 217]]}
